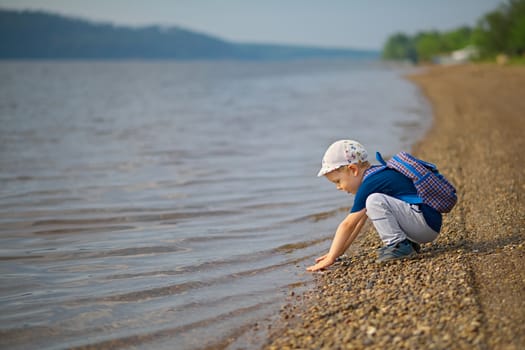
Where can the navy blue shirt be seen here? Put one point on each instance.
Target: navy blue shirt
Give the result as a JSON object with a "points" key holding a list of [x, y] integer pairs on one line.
{"points": [[394, 184]]}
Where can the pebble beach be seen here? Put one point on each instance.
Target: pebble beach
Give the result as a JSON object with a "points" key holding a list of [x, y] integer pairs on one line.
{"points": [[466, 289]]}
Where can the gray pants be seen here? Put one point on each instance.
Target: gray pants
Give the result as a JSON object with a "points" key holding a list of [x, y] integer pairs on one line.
{"points": [[396, 220]]}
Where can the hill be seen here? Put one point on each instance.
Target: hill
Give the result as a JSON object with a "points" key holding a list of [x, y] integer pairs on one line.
{"points": [[40, 35]]}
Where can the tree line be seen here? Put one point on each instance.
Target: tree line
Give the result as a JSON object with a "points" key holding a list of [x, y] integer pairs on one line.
{"points": [[41, 35], [501, 31]]}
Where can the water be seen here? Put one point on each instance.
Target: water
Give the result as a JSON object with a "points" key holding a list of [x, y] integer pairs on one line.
{"points": [[173, 205]]}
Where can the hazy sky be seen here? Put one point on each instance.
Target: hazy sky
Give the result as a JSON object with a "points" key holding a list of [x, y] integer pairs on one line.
{"points": [[337, 23]]}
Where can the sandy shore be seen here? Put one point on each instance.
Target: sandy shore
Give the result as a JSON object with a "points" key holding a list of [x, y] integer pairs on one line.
{"points": [[467, 289]]}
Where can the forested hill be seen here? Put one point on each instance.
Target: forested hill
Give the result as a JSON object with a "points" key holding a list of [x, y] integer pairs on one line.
{"points": [[39, 35]]}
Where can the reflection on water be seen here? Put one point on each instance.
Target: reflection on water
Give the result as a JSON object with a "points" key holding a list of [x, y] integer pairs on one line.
{"points": [[149, 204]]}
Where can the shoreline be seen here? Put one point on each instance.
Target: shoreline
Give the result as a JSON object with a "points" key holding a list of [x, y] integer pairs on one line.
{"points": [[465, 291]]}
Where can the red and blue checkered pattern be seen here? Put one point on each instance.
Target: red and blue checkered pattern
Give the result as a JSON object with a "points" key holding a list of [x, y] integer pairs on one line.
{"points": [[432, 187]]}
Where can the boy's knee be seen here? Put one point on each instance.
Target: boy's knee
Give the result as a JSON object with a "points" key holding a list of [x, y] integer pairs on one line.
{"points": [[374, 200]]}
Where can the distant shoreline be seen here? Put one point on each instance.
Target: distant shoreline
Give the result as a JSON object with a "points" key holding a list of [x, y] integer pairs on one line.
{"points": [[42, 35]]}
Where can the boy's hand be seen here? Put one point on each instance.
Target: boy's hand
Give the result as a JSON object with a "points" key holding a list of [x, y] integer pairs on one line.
{"points": [[322, 263], [321, 258]]}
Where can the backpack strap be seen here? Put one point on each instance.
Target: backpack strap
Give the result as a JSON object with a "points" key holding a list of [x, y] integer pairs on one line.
{"points": [[410, 198], [408, 166], [380, 158], [372, 170]]}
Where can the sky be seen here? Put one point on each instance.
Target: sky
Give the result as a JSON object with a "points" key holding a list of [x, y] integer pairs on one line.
{"points": [[360, 24]]}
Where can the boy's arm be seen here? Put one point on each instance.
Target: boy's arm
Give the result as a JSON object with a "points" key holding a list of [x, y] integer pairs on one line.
{"points": [[355, 232], [346, 233]]}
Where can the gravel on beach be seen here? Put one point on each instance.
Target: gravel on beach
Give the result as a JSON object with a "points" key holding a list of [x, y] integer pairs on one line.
{"points": [[466, 290]]}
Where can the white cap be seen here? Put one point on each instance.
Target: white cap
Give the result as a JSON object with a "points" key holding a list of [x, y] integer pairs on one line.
{"points": [[340, 153]]}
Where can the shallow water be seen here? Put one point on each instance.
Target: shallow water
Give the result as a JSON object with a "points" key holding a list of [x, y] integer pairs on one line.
{"points": [[175, 204]]}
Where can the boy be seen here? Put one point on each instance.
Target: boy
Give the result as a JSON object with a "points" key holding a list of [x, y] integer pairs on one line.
{"points": [[400, 225]]}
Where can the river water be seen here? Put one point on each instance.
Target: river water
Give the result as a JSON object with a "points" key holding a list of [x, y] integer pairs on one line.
{"points": [[174, 205]]}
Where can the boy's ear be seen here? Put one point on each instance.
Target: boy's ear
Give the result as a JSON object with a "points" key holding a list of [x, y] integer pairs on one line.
{"points": [[353, 169]]}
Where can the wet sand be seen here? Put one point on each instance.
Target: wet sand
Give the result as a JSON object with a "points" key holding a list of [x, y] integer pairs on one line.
{"points": [[466, 290]]}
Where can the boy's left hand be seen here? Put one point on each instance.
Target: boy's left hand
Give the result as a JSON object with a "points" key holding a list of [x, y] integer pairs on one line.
{"points": [[322, 263]]}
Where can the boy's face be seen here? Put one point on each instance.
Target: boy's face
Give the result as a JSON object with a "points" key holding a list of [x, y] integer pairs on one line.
{"points": [[346, 178]]}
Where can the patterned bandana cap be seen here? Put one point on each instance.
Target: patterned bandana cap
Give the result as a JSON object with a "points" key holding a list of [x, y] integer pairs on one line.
{"points": [[340, 153]]}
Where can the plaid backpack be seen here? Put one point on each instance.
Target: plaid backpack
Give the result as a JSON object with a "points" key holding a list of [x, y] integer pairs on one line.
{"points": [[432, 188]]}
